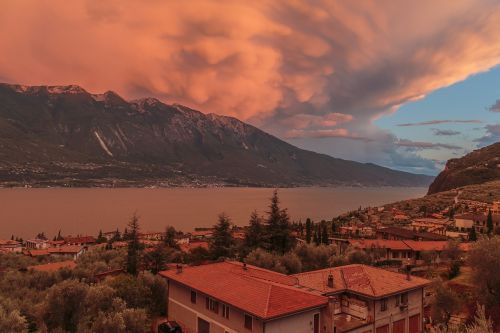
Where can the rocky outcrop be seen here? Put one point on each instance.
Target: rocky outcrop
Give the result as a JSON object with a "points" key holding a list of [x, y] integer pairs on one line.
{"points": [[477, 167]]}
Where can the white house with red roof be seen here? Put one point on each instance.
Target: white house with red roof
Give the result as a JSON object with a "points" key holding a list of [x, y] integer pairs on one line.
{"points": [[233, 297]]}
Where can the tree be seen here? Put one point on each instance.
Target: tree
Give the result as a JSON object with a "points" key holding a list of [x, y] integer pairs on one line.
{"points": [[309, 227], [64, 305], [472, 234], [169, 239], [59, 236], [316, 237], [255, 232], [481, 324], [118, 237], [133, 246], [279, 237], [12, 321], [445, 303], [489, 223], [484, 260], [324, 233], [221, 244], [157, 259], [101, 238]]}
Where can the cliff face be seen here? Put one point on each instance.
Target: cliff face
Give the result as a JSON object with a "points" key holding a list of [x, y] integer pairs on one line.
{"points": [[477, 167], [63, 133]]}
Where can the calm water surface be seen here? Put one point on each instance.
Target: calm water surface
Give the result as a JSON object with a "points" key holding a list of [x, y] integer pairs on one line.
{"points": [[25, 212]]}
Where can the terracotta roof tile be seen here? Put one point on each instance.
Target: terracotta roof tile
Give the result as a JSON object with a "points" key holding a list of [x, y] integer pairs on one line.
{"points": [[253, 290], [380, 243], [366, 280]]}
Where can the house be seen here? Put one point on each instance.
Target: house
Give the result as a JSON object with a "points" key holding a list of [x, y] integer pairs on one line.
{"points": [[53, 266], [201, 234], [365, 299], [67, 250], [56, 243], [495, 207], [480, 221], [188, 247], [434, 225], [233, 297], [37, 243], [80, 240], [464, 223], [396, 233], [384, 249], [152, 235], [11, 246]]}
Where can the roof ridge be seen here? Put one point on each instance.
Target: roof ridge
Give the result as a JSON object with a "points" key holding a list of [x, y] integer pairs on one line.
{"points": [[266, 310], [369, 281]]}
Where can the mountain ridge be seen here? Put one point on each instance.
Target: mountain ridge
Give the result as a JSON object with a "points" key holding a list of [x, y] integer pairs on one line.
{"points": [[57, 135]]}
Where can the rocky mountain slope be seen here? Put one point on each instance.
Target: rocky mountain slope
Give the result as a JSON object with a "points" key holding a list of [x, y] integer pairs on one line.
{"points": [[63, 135], [477, 167]]}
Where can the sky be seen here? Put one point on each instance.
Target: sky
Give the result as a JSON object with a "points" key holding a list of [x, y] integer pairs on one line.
{"points": [[404, 84]]}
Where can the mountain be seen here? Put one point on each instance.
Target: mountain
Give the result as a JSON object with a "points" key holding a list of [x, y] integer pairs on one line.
{"points": [[63, 135], [480, 166]]}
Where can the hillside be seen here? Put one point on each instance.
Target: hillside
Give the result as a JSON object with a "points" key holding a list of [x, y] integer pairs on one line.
{"points": [[477, 167], [65, 136]]}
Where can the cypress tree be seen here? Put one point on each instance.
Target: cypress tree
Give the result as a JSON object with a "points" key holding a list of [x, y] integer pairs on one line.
{"points": [[316, 237], [489, 222], [472, 234], [133, 246], [309, 226], [324, 234]]}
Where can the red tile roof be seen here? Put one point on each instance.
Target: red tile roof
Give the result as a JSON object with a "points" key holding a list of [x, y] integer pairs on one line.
{"points": [[65, 249], [427, 245], [257, 291], [366, 280], [80, 240], [380, 243], [37, 253], [53, 266]]}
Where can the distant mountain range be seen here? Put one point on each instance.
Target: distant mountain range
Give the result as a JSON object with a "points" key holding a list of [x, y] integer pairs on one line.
{"points": [[65, 136], [477, 167]]}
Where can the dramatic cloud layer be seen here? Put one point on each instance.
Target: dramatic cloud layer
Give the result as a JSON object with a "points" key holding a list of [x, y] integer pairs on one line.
{"points": [[436, 122], [300, 69]]}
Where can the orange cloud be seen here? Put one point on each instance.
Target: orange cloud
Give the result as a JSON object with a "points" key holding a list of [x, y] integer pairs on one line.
{"points": [[280, 62]]}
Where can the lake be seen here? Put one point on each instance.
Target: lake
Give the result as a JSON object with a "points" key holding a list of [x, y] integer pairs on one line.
{"points": [[25, 212]]}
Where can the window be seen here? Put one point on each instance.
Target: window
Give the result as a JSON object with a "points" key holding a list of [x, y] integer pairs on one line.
{"points": [[397, 300], [212, 305], [383, 304], [225, 311], [193, 296], [248, 322], [404, 298]]}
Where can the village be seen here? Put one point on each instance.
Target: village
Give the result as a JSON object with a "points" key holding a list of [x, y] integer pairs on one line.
{"points": [[376, 278]]}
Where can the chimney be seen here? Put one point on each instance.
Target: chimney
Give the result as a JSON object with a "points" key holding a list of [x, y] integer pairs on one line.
{"points": [[408, 272], [330, 280], [179, 269], [245, 266]]}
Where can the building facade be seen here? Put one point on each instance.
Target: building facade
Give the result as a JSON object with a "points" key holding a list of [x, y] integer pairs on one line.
{"points": [[233, 297]]}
